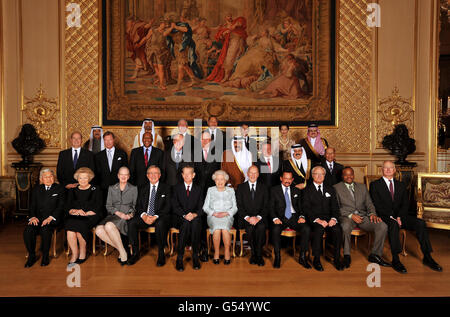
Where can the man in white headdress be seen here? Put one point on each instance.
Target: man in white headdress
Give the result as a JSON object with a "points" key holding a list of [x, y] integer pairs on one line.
{"points": [[95, 143], [299, 165], [236, 161], [148, 126]]}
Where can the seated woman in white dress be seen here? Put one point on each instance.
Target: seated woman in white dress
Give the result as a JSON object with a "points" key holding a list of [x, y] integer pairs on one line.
{"points": [[220, 206]]}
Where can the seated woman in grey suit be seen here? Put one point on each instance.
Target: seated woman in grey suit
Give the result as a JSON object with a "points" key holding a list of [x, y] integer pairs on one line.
{"points": [[220, 206], [120, 205]]}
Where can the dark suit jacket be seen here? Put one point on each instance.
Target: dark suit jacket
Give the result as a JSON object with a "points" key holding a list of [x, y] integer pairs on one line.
{"points": [[182, 204], [47, 203], [105, 177], [270, 179], [221, 140], [335, 177], [138, 169], [162, 200], [172, 174], [311, 153], [206, 168], [381, 198], [64, 168], [259, 206], [278, 203], [320, 206]]}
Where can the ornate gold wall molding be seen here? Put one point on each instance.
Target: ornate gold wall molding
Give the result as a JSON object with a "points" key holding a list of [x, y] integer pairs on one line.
{"points": [[391, 111], [41, 111], [82, 68]]}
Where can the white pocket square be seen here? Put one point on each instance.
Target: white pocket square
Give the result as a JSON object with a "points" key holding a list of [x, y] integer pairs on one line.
{"points": [[54, 195], [327, 195], [163, 196], [295, 195], [119, 158]]}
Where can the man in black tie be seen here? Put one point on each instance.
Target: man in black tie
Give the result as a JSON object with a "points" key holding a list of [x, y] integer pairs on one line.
{"points": [[141, 158], [46, 211], [269, 166], [322, 209], [390, 198], [187, 206], [217, 136], [72, 159], [252, 198], [333, 168], [175, 159], [152, 209], [286, 211], [108, 162]]}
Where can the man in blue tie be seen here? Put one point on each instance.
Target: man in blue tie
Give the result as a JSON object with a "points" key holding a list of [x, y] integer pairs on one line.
{"points": [[152, 209], [287, 214]]}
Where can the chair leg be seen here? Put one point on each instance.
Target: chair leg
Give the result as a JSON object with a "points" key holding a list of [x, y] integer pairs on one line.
{"points": [[139, 240], [356, 242], [149, 240], [234, 245], [241, 236], [106, 249], [170, 242], [293, 245], [94, 252], [208, 241], [55, 232], [404, 243]]}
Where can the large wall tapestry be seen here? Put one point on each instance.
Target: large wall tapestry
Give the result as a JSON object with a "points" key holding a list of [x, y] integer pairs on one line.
{"points": [[262, 61]]}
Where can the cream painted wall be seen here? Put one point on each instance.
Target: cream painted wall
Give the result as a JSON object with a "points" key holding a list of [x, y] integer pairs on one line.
{"points": [[405, 53]]}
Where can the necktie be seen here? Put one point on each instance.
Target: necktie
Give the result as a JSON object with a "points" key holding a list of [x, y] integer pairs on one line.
{"points": [[187, 190], [319, 189], [75, 159], [205, 154], [146, 157], [391, 189], [177, 159], [212, 136], [331, 168], [109, 160], [270, 167], [287, 211], [151, 203], [47, 188], [352, 190], [253, 191]]}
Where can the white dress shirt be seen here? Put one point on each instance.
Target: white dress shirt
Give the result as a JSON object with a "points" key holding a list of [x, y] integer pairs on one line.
{"points": [[321, 189], [111, 150], [150, 194], [330, 165], [269, 159], [250, 185], [78, 152], [283, 188], [312, 141], [387, 181]]}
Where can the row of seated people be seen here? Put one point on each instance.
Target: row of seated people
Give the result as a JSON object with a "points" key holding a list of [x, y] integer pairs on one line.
{"points": [[315, 209]]}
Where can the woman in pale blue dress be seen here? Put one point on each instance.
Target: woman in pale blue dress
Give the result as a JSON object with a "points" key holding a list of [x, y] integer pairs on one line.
{"points": [[220, 206]]}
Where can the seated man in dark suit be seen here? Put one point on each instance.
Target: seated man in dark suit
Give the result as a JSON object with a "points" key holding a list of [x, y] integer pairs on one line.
{"points": [[321, 206], [269, 166], [108, 162], [391, 201], [333, 168], [152, 209], [72, 159], [175, 159], [141, 158], [46, 211], [357, 210], [252, 198], [286, 211], [187, 206]]}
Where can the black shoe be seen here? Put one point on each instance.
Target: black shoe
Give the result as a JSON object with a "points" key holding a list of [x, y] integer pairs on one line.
{"points": [[196, 263], [304, 261], [338, 265], [373, 258], [260, 261], [277, 262], [179, 266], [31, 260], [122, 263], [204, 256], [45, 261], [317, 265], [253, 260], [216, 261], [428, 261], [133, 259], [227, 262], [81, 261], [347, 261], [161, 260], [398, 266]]}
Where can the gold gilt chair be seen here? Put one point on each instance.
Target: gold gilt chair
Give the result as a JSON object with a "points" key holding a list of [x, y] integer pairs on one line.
{"points": [[149, 231], [53, 248], [233, 236], [290, 233], [242, 232], [94, 240]]}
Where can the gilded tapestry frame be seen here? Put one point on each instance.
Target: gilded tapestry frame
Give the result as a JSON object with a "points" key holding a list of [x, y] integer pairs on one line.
{"points": [[119, 109]]}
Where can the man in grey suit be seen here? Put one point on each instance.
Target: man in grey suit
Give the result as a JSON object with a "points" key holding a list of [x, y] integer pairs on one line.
{"points": [[357, 210]]}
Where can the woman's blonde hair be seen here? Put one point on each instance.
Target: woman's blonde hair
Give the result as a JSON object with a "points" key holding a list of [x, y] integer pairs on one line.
{"points": [[84, 170], [220, 172]]}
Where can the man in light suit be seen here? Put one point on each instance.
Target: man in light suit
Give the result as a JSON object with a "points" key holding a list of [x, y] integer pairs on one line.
{"points": [[357, 210]]}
